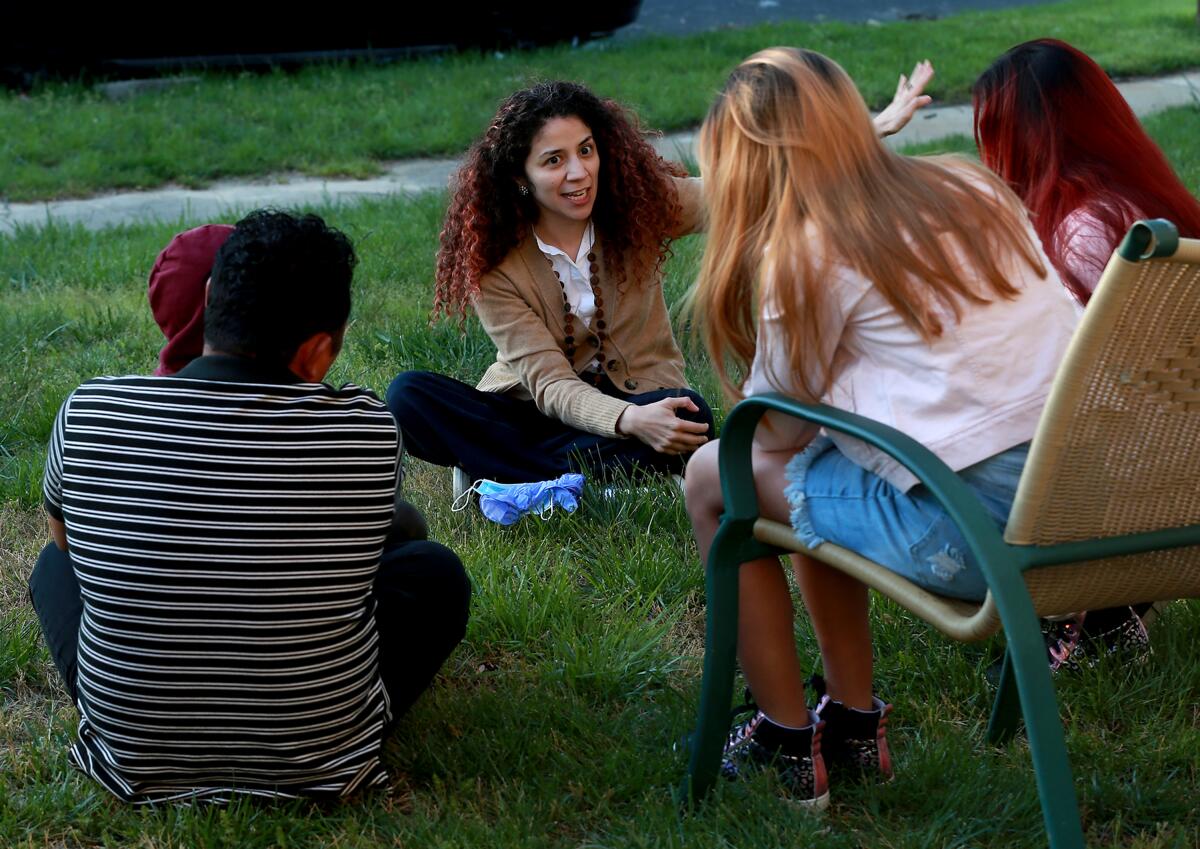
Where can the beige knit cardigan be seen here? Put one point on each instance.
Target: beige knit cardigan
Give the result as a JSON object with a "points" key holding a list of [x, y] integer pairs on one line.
{"points": [[520, 306]]}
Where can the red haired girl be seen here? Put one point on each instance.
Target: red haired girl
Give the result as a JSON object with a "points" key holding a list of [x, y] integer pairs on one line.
{"points": [[1051, 123]]}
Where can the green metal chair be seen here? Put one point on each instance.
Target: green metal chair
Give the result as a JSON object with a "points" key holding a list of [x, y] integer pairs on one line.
{"points": [[1107, 512]]}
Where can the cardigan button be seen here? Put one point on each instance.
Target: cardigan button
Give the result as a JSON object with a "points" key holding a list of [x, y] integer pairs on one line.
{"points": [[630, 383]]}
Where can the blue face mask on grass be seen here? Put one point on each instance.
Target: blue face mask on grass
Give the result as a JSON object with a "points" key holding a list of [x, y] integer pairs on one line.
{"points": [[505, 503]]}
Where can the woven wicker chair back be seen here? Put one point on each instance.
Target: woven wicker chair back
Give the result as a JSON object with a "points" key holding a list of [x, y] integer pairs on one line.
{"points": [[1117, 450]]}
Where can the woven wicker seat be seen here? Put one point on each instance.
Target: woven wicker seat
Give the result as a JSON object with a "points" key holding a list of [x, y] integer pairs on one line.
{"points": [[1107, 512]]}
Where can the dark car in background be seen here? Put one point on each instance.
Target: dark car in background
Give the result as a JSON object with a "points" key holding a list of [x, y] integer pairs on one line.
{"points": [[125, 41]]}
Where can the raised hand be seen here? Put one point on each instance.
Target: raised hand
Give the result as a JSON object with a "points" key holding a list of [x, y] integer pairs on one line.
{"points": [[909, 98]]}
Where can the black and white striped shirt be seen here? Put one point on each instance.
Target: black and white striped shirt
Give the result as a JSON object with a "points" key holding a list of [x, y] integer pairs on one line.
{"points": [[225, 526]]}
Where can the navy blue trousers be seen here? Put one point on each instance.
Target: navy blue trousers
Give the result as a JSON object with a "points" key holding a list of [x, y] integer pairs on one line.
{"points": [[496, 436], [422, 598]]}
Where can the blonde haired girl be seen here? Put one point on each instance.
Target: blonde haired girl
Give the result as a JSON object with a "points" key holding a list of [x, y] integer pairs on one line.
{"points": [[909, 290]]}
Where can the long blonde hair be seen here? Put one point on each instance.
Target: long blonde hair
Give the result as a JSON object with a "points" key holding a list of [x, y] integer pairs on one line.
{"points": [[789, 146]]}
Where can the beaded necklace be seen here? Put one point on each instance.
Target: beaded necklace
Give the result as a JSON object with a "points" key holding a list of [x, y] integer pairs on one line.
{"points": [[598, 321]]}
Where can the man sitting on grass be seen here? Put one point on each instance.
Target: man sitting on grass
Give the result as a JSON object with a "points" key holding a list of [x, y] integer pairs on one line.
{"points": [[224, 597]]}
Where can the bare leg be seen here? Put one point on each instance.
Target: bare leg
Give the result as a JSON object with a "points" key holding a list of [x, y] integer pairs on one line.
{"points": [[838, 608], [766, 643]]}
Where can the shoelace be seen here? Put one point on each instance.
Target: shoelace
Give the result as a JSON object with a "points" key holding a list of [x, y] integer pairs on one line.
{"points": [[742, 729], [1062, 639], [817, 684]]}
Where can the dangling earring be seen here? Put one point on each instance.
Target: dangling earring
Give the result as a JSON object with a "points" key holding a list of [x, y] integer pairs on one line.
{"points": [[524, 190]]}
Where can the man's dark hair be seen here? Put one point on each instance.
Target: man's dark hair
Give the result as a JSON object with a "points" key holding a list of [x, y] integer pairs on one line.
{"points": [[276, 281]]}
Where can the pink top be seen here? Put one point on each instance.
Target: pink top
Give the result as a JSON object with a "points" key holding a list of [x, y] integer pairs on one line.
{"points": [[1085, 246]]}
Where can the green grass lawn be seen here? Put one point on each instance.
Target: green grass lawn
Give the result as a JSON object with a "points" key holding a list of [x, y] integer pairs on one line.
{"points": [[553, 724], [66, 140]]}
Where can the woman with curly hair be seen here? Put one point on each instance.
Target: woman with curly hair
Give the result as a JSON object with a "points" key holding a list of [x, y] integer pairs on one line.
{"points": [[557, 229], [1051, 123], [559, 223]]}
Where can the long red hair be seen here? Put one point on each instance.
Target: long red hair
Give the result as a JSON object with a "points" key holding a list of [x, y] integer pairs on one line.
{"points": [[1051, 123], [635, 210]]}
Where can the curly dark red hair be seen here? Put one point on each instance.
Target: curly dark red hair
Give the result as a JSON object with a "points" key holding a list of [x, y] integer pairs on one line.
{"points": [[634, 213], [1051, 123]]}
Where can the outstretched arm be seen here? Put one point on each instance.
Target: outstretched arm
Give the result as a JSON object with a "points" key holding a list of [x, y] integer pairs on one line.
{"points": [[909, 98]]}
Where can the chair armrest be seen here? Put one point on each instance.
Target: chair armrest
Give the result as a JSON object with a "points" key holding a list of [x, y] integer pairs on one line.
{"points": [[1152, 237], [737, 471]]}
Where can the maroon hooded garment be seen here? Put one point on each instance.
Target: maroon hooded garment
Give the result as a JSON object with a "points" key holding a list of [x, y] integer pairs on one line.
{"points": [[177, 284]]}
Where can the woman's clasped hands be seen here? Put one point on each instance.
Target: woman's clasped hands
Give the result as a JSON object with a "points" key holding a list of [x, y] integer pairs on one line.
{"points": [[657, 425]]}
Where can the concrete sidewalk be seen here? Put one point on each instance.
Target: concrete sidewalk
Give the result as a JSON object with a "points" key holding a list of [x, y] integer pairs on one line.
{"points": [[227, 200]]}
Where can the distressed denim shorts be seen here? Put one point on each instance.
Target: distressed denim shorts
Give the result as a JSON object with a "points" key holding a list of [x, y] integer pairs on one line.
{"points": [[834, 499]]}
